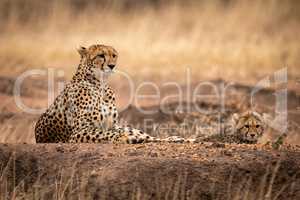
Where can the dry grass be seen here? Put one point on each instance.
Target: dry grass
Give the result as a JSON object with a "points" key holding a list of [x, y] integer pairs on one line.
{"points": [[16, 131], [156, 39]]}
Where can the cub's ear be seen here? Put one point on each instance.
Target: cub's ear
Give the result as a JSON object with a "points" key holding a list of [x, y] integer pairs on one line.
{"points": [[82, 51], [266, 118], [235, 118]]}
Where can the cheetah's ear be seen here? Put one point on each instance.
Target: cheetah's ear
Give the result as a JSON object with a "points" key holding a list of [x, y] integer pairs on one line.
{"points": [[82, 51], [267, 118], [235, 118]]}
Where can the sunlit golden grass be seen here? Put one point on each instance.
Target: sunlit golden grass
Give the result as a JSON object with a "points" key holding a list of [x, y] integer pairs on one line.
{"points": [[235, 40]]}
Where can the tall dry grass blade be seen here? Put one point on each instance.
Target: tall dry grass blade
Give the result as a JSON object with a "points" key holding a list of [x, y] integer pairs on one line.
{"points": [[158, 185], [69, 180], [263, 184], [268, 195], [247, 189], [229, 185], [183, 185], [238, 194], [169, 189], [176, 189]]}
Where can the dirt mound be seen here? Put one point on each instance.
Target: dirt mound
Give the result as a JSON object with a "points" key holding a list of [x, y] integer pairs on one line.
{"points": [[150, 171]]}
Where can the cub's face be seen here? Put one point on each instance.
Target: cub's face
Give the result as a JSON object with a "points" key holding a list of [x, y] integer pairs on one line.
{"points": [[249, 126], [99, 57]]}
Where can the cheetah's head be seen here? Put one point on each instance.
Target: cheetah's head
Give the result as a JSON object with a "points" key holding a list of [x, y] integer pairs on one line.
{"points": [[99, 57], [249, 126]]}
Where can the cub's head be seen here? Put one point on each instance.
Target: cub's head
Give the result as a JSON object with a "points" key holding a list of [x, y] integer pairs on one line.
{"points": [[99, 57], [249, 126]]}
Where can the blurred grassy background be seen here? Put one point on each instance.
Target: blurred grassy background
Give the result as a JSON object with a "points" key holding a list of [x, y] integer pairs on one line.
{"points": [[157, 39]]}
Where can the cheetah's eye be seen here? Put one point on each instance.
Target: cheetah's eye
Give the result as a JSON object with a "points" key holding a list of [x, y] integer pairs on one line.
{"points": [[247, 126], [101, 55], [257, 126], [114, 55]]}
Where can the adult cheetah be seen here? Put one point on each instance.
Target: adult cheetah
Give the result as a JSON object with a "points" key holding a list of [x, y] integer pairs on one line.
{"points": [[85, 111]]}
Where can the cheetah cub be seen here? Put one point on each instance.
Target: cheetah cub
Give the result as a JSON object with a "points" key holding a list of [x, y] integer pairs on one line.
{"points": [[247, 127]]}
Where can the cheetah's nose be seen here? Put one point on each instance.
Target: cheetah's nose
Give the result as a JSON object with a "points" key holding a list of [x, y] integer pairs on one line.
{"points": [[111, 66], [252, 135]]}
